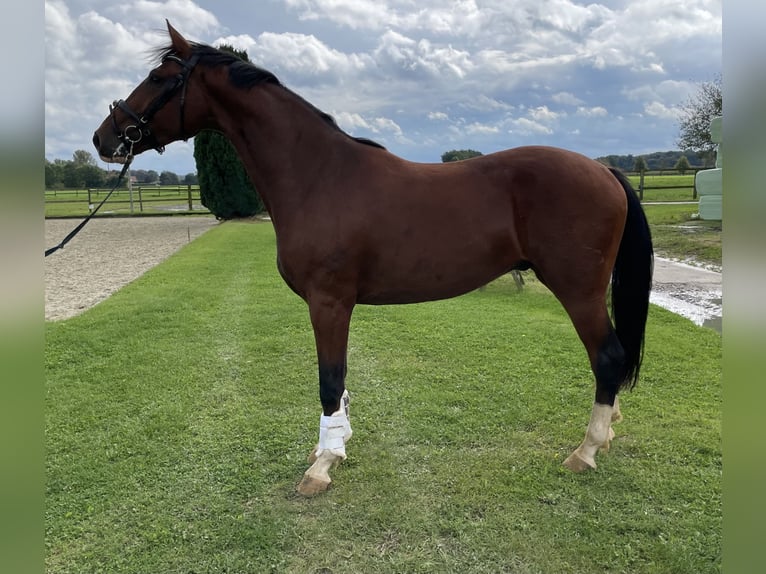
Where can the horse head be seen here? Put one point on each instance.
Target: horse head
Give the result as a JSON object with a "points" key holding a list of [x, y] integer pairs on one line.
{"points": [[160, 110]]}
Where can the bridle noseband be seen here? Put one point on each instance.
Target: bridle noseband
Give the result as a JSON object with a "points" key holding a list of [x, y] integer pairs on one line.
{"points": [[134, 133]]}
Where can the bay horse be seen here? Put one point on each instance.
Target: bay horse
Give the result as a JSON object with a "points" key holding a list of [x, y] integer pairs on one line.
{"points": [[355, 224]]}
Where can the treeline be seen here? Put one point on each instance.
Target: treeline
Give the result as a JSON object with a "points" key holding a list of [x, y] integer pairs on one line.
{"points": [[82, 172], [659, 160]]}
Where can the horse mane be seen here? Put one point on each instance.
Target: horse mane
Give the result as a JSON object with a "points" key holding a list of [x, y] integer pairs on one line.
{"points": [[244, 74]]}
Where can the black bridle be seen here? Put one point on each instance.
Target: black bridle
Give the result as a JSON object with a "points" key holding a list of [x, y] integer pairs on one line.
{"points": [[134, 133]]}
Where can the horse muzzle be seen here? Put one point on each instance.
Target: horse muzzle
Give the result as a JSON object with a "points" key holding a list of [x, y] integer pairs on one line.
{"points": [[109, 148]]}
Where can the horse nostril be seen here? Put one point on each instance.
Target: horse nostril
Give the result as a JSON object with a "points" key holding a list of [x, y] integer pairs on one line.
{"points": [[96, 141]]}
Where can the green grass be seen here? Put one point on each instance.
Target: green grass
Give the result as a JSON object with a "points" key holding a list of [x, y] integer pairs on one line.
{"points": [[677, 235], [180, 412]]}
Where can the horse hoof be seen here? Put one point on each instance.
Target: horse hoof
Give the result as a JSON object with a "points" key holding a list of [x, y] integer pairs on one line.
{"points": [[576, 463], [311, 486]]}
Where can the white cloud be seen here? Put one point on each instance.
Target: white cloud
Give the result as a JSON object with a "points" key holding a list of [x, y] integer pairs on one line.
{"points": [[185, 16], [567, 99], [477, 128], [354, 121], [305, 56], [647, 33], [595, 111], [438, 116], [526, 126], [350, 122], [660, 110], [400, 54], [543, 114], [483, 103], [386, 125], [459, 17]]}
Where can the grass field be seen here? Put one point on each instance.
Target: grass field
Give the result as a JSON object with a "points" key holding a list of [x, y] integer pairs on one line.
{"points": [[677, 235], [179, 413]]}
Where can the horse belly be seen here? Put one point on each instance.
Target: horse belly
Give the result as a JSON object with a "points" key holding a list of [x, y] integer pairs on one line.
{"points": [[435, 268]]}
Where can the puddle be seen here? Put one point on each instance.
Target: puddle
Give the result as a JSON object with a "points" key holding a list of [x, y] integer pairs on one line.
{"points": [[702, 306]]}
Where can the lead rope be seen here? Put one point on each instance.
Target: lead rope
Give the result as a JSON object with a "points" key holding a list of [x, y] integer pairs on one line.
{"points": [[76, 230]]}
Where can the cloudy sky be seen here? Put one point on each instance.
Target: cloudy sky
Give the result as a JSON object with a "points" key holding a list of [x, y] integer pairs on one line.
{"points": [[420, 76]]}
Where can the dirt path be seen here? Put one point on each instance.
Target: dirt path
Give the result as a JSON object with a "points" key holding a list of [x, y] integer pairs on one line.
{"points": [[108, 254]]}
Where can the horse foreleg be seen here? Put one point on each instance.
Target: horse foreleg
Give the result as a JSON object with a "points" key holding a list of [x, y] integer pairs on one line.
{"points": [[330, 319], [334, 432]]}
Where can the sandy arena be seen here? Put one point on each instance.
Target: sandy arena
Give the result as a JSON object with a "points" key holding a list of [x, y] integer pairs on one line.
{"points": [[108, 254]]}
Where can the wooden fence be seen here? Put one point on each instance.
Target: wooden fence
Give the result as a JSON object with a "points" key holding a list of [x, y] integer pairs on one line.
{"points": [[642, 186], [138, 199]]}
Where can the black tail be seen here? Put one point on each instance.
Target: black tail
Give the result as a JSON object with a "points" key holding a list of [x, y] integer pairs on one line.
{"points": [[632, 283]]}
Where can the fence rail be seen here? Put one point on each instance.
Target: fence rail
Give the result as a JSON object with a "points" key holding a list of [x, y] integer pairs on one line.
{"points": [[642, 187], [138, 199]]}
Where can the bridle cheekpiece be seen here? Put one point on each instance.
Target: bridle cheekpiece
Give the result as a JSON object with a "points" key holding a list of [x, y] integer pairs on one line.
{"points": [[135, 132]]}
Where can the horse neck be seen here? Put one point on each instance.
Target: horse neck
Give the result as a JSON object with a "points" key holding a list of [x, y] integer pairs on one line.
{"points": [[282, 142]]}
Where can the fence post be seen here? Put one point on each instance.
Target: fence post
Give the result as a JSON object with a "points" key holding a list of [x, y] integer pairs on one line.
{"points": [[641, 186], [90, 202], [189, 196]]}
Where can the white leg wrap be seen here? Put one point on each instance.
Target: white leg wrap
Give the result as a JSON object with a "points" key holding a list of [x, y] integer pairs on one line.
{"points": [[335, 430]]}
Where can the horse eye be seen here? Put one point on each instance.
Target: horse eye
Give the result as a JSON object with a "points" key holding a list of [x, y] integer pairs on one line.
{"points": [[154, 79]]}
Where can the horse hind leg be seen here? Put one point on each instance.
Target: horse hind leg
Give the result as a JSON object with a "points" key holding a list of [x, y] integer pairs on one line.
{"points": [[608, 364]]}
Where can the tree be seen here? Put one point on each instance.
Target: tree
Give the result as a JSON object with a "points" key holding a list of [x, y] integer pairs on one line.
{"points": [[459, 154], [82, 157], [640, 165], [696, 115], [682, 165], [225, 188], [91, 175], [54, 176], [168, 178], [190, 179]]}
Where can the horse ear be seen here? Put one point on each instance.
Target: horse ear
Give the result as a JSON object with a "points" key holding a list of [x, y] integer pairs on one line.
{"points": [[180, 45]]}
